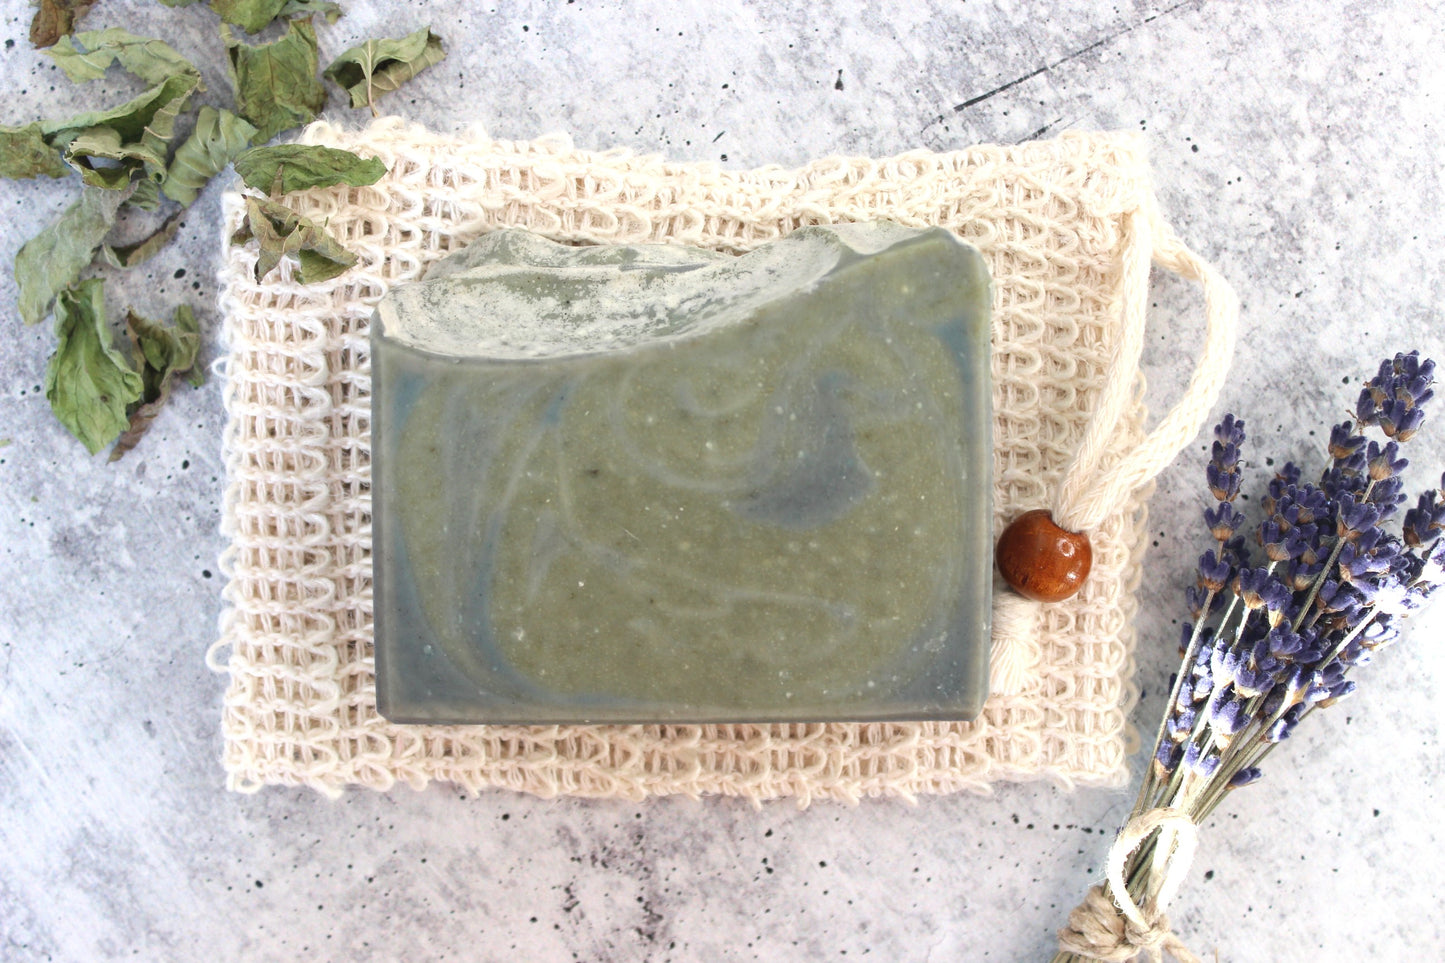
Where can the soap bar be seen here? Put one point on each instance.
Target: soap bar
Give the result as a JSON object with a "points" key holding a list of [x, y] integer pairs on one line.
{"points": [[656, 484]]}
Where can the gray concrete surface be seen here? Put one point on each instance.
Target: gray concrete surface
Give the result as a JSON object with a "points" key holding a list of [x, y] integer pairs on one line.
{"points": [[1296, 143]]}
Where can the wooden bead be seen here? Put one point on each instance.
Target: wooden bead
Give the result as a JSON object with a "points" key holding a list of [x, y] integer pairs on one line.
{"points": [[1042, 561]]}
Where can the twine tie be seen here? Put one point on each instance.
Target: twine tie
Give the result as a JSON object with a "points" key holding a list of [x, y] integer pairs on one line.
{"points": [[1108, 925]]}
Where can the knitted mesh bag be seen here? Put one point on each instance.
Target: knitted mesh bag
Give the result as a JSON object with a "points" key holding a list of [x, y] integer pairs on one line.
{"points": [[1068, 227]]}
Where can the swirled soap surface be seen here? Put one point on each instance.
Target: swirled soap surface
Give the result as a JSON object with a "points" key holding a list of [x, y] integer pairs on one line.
{"points": [[659, 484]]}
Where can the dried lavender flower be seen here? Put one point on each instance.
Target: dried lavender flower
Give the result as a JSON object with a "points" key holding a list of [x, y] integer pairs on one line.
{"points": [[1331, 583], [1214, 572], [1344, 442], [1393, 400], [1383, 461], [1223, 521], [1424, 522], [1275, 637]]}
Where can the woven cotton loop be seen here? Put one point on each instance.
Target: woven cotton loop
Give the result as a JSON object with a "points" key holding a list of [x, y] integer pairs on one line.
{"points": [[1116, 930], [1087, 493], [1078, 503]]}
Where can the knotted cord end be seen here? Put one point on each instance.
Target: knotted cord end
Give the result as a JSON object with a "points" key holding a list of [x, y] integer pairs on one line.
{"points": [[1015, 642]]}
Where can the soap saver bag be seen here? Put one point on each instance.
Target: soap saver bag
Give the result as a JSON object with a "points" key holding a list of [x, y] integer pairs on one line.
{"points": [[1069, 228]]}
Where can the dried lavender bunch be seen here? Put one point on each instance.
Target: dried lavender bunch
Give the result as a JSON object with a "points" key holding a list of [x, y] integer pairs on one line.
{"points": [[1281, 616]]}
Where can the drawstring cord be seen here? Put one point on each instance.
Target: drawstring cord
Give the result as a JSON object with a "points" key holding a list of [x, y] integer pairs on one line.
{"points": [[1090, 489]]}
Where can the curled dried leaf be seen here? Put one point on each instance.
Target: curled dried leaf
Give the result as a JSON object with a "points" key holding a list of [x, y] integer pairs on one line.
{"points": [[326, 8], [88, 383], [132, 137], [86, 56], [130, 255], [379, 66], [280, 231], [24, 152], [275, 83], [219, 136], [53, 259], [56, 18], [251, 16], [297, 167], [145, 195], [90, 151], [162, 353]]}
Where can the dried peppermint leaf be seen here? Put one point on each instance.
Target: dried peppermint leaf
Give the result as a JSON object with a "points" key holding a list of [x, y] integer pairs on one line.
{"points": [[162, 353], [24, 152], [295, 8], [86, 56], [380, 66], [55, 19], [218, 137], [129, 119], [276, 85], [296, 167], [89, 384], [146, 195], [253, 16], [104, 144], [129, 255], [280, 231], [250, 15], [134, 136], [54, 258]]}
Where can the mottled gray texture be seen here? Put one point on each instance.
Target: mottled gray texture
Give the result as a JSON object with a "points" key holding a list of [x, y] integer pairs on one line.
{"points": [[1295, 143]]}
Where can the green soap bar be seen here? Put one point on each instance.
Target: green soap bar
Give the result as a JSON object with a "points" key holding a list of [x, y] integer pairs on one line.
{"points": [[661, 484]]}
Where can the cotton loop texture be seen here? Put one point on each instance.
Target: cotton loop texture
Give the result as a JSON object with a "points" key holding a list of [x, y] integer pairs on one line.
{"points": [[1095, 484], [1051, 219]]}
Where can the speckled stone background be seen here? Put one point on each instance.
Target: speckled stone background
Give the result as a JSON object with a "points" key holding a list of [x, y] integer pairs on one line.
{"points": [[1297, 144]]}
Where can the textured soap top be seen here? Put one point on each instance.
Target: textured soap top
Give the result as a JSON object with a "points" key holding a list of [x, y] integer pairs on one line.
{"points": [[513, 294]]}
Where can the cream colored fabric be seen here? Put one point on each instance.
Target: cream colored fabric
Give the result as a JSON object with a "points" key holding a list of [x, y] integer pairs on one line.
{"points": [[296, 638], [1095, 486]]}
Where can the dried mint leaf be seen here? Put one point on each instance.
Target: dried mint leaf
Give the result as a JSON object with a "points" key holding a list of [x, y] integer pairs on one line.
{"points": [[295, 8], [380, 66], [296, 167], [104, 144], [129, 255], [250, 15], [53, 259], [280, 231], [253, 16], [129, 119], [24, 152], [275, 83], [146, 195], [218, 137], [162, 353], [88, 382], [133, 136], [55, 19], [86, 56]]}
